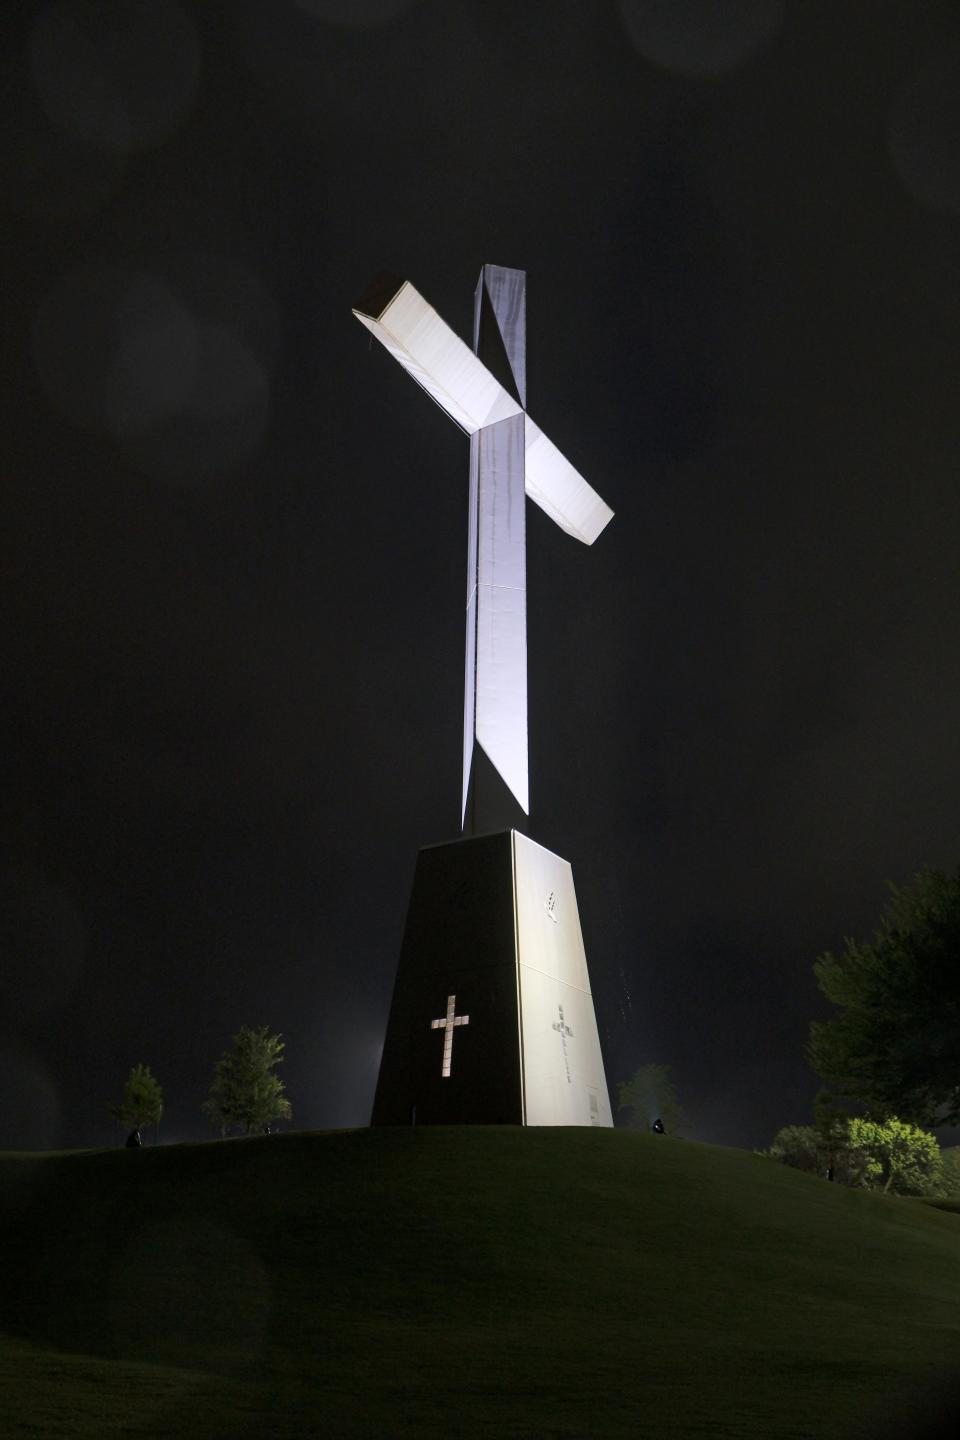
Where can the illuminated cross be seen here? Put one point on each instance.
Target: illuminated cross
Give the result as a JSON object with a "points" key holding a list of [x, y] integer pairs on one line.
{"points": [[485, 392], [447, 1025]]}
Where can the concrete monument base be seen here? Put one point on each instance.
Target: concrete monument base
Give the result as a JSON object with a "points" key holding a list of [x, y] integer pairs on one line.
{"points": [[492, 1019]]}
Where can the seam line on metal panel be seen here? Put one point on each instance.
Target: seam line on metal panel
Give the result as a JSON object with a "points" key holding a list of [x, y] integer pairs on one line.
{"points": [[569, 983]]}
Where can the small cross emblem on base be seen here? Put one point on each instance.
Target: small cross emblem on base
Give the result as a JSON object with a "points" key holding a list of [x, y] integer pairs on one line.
{"points": [[563, 1030], [559, 1025], [447, 1025]]}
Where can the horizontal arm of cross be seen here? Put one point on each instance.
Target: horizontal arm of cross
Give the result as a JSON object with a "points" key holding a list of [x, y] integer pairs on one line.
{"points": [[451, 374]]}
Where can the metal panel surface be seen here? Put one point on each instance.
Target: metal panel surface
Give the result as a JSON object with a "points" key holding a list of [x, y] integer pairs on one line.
{"points": [[502, 686], [438, 360], [501, 507], [469, 700], [560, 490], [548, 920], [507, 290], [459, 941], [564, 1081], [501, 655], [562, 1069], [470, 648]]}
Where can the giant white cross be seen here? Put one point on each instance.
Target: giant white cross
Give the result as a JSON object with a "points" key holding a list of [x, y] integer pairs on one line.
{"points": [[509, 456]]}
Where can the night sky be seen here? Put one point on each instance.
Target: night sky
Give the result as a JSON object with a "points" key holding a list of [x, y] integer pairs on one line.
{"points": [[233, 532]]}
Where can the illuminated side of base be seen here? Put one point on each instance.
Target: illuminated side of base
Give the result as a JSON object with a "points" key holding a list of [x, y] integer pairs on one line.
{"points": [[492, 1019]]}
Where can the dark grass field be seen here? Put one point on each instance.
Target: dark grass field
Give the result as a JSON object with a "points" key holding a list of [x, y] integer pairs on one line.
{"points": [[467, 1282]]}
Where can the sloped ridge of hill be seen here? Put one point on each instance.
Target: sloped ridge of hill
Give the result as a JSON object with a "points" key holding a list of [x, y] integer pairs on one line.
{"points": [[470, 1281]]}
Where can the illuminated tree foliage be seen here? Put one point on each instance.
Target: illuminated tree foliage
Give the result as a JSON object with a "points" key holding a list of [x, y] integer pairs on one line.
{"points": [[902, 1158], [649, 1095], [892, 1155], [809, 1148], [142, 1102], [246, 1095], [895, 1047]]}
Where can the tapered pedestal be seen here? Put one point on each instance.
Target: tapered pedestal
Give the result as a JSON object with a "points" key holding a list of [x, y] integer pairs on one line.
{"points": [[492, 1019]]}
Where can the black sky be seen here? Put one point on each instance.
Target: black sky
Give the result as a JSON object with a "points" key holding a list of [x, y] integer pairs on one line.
{"points": [[232, 535]]}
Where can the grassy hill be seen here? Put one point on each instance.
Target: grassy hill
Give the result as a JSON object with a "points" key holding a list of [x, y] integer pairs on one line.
{"points": [[464, 1282]]}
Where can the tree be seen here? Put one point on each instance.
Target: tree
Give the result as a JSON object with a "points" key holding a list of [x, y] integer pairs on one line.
{"points": [[895, 1047], [798, 1146], [245, 1093], [950, 1159], [892, 1155], [648, 1095], [821, 1152], [833, 1132], [902, 1158], [142, 1102]]}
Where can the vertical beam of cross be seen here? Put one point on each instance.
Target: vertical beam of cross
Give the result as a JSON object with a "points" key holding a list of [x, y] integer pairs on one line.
{"points": [[495, 687], [447, 1025]]}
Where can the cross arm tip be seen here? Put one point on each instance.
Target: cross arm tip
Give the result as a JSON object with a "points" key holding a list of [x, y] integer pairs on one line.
{"points": [[379, 293]]}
